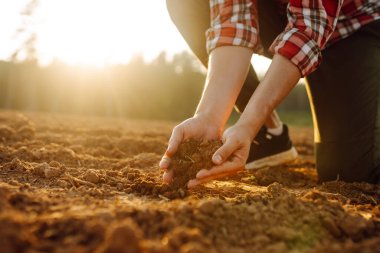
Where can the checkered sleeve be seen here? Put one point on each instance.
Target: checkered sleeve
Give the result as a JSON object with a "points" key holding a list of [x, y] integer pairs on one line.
{"points": [[310, 24], [233, 22]]}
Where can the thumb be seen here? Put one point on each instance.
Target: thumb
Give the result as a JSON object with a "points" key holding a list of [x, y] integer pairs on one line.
{"points": [[225, 151]]}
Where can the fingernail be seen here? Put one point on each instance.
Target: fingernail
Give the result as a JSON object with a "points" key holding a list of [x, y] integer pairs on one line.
{"points": [[163, 164], [203, 173], [166, 178], [217, 159]]}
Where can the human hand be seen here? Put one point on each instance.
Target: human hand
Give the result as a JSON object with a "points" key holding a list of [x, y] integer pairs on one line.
{"points": [[230, 157], [198, 127]]}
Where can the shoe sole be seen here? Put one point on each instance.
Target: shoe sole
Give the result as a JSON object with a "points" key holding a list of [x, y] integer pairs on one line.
{"points": [[274, 160]]}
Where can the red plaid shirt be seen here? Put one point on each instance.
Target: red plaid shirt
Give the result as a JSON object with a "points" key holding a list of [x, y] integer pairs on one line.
{"points": [[312, 25]]}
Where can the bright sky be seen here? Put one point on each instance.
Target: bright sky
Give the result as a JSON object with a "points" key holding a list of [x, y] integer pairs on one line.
{"points": [[95, 31]]}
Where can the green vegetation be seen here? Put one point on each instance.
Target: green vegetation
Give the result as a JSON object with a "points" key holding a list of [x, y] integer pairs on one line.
{"points": [[293, 118], [297, 118]]}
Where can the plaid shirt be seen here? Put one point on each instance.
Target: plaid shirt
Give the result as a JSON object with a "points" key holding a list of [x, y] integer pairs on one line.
{"points": [[312, 25]]}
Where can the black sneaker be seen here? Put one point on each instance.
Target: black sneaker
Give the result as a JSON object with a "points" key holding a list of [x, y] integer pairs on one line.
{"points": [[270, 150]]}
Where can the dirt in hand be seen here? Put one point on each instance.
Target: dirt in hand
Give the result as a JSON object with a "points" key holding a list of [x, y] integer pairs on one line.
{"points": [[191, 157]]}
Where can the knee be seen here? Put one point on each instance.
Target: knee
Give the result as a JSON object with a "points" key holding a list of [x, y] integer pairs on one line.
{"points": [[350, 163]]}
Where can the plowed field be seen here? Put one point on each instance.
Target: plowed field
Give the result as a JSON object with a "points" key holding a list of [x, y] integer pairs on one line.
{"points": [[81, 184]]}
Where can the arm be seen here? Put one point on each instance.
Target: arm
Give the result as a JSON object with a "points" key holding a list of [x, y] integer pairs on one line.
{"points": [[227, 70], [281, 77], [228, 67]]}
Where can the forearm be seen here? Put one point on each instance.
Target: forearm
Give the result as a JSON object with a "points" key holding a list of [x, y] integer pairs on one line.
{"points": [[279, 80], [228, 67]]}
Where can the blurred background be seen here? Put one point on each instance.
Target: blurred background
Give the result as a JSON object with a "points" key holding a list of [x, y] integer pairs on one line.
{"points": [[113, 58]]}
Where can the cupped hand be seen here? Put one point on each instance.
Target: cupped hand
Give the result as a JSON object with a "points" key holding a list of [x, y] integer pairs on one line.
{"points": [[229, 158], [197, 127]]}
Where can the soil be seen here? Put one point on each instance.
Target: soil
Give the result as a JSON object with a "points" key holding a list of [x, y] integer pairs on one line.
{"points": [[191, 157], [82, 184]]}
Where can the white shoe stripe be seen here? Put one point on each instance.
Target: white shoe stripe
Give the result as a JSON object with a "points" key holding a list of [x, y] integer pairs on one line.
{"points": [[274, 160]]}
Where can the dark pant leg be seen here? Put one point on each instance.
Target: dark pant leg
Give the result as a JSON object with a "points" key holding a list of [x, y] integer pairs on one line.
{"points": [[345, 96], [192, 18], [272, 21]]}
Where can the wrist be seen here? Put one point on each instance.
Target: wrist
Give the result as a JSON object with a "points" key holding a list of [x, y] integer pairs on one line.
{"points": [[249, 127], [210, 118]]}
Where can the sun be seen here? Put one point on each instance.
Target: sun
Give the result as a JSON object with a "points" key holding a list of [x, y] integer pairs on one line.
{"points": [[105, 31], [97, 32]]}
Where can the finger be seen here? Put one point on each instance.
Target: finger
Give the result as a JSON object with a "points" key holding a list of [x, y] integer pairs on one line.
{"points": [[222, 154], [194, 182], [174, 141], [167, 177], [202, 173], [226, 167], [165, 162]]}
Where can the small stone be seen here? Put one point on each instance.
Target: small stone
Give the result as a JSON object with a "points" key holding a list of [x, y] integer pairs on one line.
{"points": [[91, 176], [39, 170], [6, 132], [63, 184], [55, 164], [37, 154], [353, 225], [209, 206], [276, 190], [17, 165], [14, 182], [52, 172], [26, 132], [119, 186], [131, 176], [69, 152], [123, 237]]}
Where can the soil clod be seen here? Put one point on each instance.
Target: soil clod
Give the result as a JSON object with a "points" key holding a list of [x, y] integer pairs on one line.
{"points": [[191, 157]]}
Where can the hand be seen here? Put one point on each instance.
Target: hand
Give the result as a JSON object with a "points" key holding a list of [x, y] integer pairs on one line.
{"points": [[230, 157], [198, 127]]}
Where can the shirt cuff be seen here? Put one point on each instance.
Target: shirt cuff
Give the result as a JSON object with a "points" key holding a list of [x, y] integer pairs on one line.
{"points": [[295, 45], [232, 34]]}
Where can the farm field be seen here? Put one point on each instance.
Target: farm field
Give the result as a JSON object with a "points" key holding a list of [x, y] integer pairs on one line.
{"points": [[87, 184]]}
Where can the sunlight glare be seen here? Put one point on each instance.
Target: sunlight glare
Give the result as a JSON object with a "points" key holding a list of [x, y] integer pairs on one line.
{"points": [[105, 31], [97, 32]]}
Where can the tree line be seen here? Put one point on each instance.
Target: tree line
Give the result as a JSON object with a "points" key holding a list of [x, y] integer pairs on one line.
{"points": [[161, 89]]}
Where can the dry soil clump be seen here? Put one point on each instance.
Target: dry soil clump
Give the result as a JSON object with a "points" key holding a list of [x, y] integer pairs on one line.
{"points": [[191, 157]]}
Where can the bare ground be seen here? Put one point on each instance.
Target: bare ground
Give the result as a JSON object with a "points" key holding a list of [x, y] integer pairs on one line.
{"points": [[78, 184]]}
